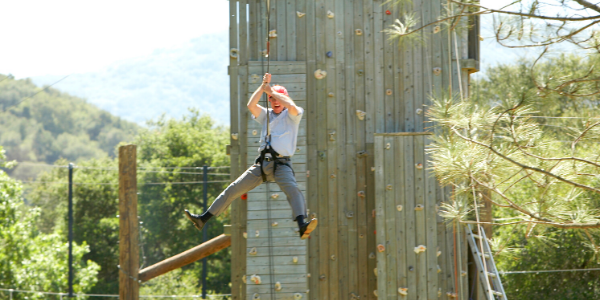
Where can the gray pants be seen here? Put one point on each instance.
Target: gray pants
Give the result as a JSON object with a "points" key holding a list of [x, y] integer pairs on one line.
{"points": [[284, 177]]}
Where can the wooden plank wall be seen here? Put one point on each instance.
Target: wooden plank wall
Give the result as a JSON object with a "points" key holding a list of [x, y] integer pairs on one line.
{"points": [[407, 198], [283, 244], [392, 85]]}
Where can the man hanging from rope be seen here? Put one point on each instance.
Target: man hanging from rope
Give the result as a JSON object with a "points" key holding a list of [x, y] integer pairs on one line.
{"points": [[278, 144]]}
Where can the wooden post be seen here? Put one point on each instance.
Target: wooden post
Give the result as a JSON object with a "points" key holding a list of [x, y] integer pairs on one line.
{"points": [[128, 224]]}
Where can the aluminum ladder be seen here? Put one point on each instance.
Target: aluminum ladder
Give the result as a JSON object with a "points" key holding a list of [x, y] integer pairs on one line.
{"points": [[492, 284]]}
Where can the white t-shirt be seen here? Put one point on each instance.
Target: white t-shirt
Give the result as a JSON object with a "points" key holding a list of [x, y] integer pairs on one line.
{"points": [[284, 130]]}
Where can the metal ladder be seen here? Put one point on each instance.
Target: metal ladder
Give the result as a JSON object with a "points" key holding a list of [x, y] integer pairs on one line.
{"points": [[493, 285]]}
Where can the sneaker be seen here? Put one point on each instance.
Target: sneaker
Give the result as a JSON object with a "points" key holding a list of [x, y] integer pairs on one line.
{"points": [[195, 219], [307, 228]]}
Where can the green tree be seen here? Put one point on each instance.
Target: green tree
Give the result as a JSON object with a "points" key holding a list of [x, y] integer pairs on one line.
{"points": [[30, 259], [170, 146], [44, 125], [541, 173], [166, 186]]}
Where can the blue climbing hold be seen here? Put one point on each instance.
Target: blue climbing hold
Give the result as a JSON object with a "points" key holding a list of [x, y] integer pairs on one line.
{"points": [[329, 54]]}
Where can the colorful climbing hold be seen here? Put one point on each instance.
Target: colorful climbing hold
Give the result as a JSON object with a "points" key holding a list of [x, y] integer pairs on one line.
{"points": [[360, 114], [320, 74], [420, 249], [388, 12], [329, 54], [233, 53]]}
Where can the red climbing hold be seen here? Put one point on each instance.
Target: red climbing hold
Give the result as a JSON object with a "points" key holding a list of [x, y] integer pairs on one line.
{"points": [[245, 197], [388, 12]]}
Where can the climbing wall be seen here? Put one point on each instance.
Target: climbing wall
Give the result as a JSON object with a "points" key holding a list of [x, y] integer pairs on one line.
{"points": [[415, 249], [357, 84], [276, 266]]}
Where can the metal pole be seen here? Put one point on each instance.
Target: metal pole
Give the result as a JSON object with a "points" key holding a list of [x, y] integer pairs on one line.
{"points": [[71, 230], [204, 230]]}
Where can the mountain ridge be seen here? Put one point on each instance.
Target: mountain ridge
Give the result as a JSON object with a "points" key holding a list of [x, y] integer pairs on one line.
{"points": [[168, 81]]}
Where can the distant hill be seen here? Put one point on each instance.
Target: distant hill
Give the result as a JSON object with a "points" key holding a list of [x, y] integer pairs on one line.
{"points": [[168, 81], [44, 125]]}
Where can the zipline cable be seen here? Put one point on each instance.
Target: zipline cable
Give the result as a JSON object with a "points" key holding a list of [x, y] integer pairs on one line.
{"points": [[267, 147], [116, 183], [31, 97]]}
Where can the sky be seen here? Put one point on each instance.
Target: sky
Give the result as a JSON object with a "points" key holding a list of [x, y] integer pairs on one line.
{"points": [[65, 36]]}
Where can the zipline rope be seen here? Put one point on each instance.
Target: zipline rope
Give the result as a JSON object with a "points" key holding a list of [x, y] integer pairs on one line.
{"points": [[267, 147], [138, 168], [116, 183]]}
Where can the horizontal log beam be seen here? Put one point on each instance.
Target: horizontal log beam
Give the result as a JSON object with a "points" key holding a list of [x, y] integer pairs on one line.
{"points": [[184, 258]]}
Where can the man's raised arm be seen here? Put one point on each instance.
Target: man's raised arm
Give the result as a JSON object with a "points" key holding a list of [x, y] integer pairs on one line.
{"points": [[253, 105]]}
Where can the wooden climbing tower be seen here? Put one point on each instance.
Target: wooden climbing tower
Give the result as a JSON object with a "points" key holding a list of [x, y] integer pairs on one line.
{"points": [[361, 159]]}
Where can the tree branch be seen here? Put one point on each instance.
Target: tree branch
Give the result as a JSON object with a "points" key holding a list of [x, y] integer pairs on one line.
{"points": [[582, 186], [588, 5], [512, 131], [559, 225], [530, 15], [581, 136]]}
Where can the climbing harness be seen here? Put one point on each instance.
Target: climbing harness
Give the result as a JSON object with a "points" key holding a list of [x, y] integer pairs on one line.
{"points": [[271, 155]]}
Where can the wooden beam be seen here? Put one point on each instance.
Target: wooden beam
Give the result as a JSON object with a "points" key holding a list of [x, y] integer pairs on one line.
{"points": [[199, 252], [128, 224]]}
